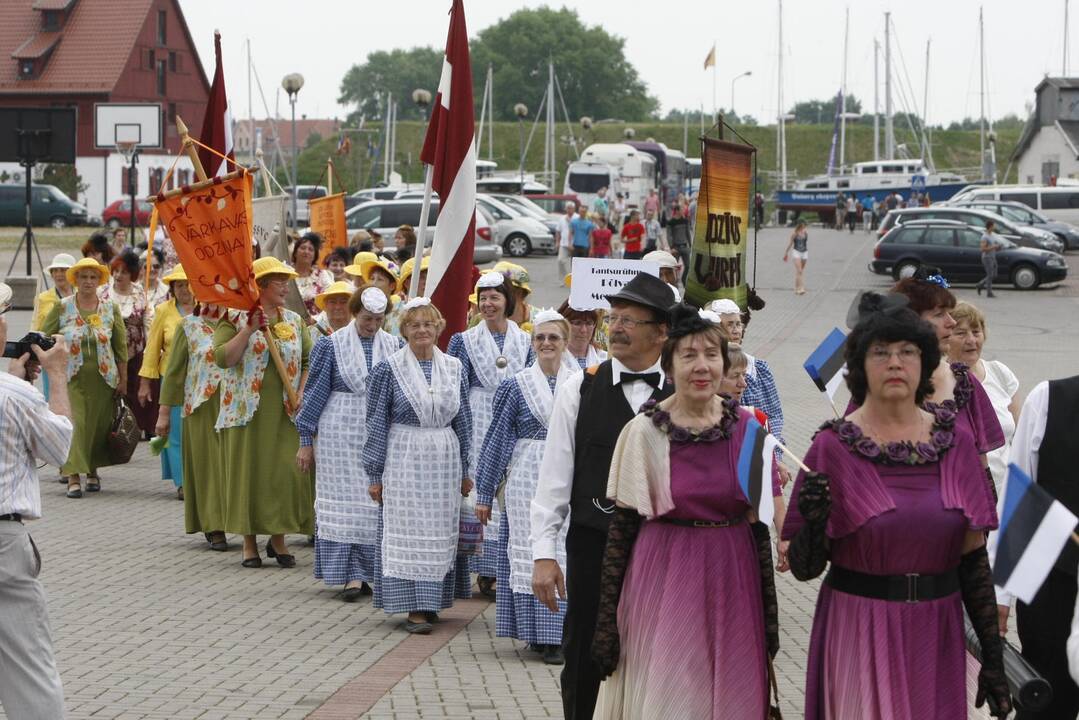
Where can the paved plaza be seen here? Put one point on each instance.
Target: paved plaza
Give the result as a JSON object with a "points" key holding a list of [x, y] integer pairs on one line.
{"points": [[148, 623]]}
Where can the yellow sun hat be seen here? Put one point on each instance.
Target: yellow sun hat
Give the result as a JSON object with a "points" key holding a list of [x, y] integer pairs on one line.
{"points": [[87, 263], [270, 265], [338, 288], [380, 264], [517, 274], [359, 260], [406, 270], [177, 274]]}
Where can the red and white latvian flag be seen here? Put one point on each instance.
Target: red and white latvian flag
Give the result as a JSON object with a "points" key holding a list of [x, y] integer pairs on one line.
{"points": [[449, 148], [217, 123]]}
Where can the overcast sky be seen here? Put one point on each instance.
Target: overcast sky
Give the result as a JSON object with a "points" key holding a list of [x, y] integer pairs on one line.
{"points": [[667, 43]]}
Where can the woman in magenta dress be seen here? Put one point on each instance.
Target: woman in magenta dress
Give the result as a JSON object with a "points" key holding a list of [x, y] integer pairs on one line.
{"points": [[899, 505], [688, 615]]}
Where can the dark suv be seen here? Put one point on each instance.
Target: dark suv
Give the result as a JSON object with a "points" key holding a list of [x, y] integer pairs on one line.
{"points": [[955, 248], [1023, 236]]}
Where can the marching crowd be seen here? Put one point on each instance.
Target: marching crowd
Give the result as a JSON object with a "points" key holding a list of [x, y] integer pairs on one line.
{"points": [[594, 469]]}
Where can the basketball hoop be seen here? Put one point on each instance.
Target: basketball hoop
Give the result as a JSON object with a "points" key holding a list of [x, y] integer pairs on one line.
{"points": [[127, 149]]}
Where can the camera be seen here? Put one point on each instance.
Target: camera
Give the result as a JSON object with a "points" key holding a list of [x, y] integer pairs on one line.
{"points": [[21, 347]]}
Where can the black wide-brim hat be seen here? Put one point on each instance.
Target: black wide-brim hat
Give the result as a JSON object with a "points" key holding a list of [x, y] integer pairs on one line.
{"points": [[647, 290]]}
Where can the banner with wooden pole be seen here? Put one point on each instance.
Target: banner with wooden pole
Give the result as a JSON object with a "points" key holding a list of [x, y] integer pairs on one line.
{"points": [[209, 223], [328, 213]]}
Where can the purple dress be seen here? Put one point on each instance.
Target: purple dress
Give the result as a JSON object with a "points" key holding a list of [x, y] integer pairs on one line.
{"points": [[690, 619], [884, 659]]}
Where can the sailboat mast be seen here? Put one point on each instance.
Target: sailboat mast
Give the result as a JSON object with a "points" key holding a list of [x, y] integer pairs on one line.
{"points": [[483, 117], [981, 89], [1065, 64], [876, 100], [925, 108], [250, 105], [491, 114], [548, 153], [889, 128], [843, 97], [782, 111]]}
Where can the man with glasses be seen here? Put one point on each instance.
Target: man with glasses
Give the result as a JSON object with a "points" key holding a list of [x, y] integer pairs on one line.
{"points": [[589, 413]]}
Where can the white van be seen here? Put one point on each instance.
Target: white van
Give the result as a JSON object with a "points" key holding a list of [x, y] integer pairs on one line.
{"points": [[1059, 202], [634, 171]]}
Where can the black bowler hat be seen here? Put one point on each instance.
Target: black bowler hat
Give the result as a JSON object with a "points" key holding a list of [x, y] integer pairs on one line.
{"points": [[647, 290]]}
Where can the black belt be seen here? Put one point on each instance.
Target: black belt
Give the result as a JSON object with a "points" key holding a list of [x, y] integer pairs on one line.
{"points": [[14, 517], [701, 523], [911, 588]]}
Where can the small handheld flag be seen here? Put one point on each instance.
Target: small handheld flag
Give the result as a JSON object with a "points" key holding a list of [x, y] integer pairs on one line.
{"points": [[755, 461], [826, 364], [1033, 531]]}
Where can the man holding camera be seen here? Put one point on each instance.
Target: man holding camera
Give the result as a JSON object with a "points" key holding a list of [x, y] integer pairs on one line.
{"points": [[31, 429]]}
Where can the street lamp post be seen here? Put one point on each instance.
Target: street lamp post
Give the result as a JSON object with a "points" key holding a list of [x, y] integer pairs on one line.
{"points": [[521, 111], [736, 78], [291, 84]]}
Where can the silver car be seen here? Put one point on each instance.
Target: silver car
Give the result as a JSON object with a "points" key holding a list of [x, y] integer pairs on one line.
{"points": [[385, 216], [518, 232]]}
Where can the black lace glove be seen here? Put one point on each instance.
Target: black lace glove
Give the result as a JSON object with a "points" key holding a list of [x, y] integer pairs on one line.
{"points": [[768, 587], [621, 534], [992, 484], [976, 586], [808, 552]]}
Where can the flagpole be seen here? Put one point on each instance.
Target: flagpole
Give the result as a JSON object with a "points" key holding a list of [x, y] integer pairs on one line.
{"points": [[421, 237], [715, 110], [793, 457]]}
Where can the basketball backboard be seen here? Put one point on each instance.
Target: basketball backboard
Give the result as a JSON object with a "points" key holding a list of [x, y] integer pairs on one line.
{"points": [[139, 123]]}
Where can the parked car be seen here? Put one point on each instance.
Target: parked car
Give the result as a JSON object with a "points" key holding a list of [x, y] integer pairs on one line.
{"points": [[303, 194], [1021, 214], [1060, 202], [555, 204], [518, 233], [387, 192], [48, 206], [955, 248], [118, 213], [1020, 235], [510, 184], [525, 205], [385, 216]]}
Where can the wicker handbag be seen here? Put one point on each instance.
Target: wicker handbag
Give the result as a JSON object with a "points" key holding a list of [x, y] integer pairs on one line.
{"points": [[124, 434]]}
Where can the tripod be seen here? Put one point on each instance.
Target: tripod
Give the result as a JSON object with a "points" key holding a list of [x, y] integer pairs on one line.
{"points": [[28, 234]]}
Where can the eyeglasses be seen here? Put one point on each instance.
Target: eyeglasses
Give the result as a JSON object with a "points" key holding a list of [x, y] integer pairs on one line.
{"points": [[627, 322], [881, 355], [547, 338]]}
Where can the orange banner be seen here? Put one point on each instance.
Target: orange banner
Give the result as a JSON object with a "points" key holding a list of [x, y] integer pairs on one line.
{"points": [[211, 231], [328, 220]]}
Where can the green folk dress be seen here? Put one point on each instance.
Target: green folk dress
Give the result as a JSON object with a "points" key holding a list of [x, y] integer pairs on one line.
{"points": [[200, 444], [264, 492], [92, 400]]}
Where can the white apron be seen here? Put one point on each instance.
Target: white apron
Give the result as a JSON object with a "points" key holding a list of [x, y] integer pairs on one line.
{"points": [[594, 357], [421, 482], [522, 476], [483, 352], [344, 511]]}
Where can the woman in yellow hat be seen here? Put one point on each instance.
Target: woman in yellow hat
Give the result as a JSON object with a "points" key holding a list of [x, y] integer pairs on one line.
{"points": [[333, 430], [61, 288], [523, 313], [167, 319], [333, 309], [96, 369], [264, 492], [125, 290], [494, 350], [190, 379]]}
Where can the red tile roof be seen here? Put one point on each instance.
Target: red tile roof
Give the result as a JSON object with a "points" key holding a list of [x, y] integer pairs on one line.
{"points": [[36, 46], [97, 40]]}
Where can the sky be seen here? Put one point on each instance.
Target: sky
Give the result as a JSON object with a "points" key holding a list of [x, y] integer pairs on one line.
{"points": [[322, 39]]}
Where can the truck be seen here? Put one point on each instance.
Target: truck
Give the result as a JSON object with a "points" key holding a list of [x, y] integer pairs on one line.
{"points": [[618, 167]]}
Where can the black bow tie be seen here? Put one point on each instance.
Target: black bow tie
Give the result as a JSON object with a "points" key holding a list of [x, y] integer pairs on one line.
{"points": [[651, 378]]}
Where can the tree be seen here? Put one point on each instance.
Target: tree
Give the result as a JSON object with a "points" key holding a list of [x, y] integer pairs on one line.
{"points": [[65, 178], [596, 78], [398, 72], [816, 112]]}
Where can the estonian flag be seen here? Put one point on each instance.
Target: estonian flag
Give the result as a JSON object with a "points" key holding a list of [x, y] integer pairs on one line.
{"points": [[755, 461], [1033, 530], [826, 364]]}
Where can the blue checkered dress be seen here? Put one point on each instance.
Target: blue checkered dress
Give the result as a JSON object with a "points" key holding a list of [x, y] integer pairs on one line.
{"points": [[387, 405], [761, 392], [486, 563], [517, 615]]}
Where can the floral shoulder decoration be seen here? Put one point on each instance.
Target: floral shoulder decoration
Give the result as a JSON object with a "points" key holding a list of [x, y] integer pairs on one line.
{"points": [[964, 390], [942, 437], [720, 431], [283, 330]]}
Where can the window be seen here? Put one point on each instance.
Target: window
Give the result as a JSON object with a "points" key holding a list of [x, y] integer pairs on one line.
{"points": [[1050, 171], [157, 175], [50, 20], [587, 182], [1028, 199], [162, 34], [172, 113], [151, 59], [364, 217], [939, 237], [1060, 200], [403, 214], [493, 211], [26, 69], [970, 239], [162, 76], [172, 61]]}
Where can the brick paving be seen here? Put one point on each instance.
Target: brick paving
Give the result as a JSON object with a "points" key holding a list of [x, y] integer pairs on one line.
{"points": [[150, 624]]}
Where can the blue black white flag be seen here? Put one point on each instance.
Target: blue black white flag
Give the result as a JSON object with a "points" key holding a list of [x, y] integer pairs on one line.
{"points": [[826, 364], [755, 462], [1033, 531]]}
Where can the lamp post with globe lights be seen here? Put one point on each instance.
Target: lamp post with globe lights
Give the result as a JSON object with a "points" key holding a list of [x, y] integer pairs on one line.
{"points": [[521, 111], [291, 84]]}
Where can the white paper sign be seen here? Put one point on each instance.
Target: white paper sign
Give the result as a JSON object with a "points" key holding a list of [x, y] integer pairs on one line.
{"points": [[595, 279], [268, 225]]}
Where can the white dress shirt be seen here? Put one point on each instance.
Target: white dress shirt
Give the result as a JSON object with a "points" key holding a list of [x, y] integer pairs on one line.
{"points": [[565, 234], [550, 505], [28, 430], [1029, 432]]}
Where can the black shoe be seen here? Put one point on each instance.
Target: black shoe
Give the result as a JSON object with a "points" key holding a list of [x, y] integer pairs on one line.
{"points": [[218, 541], [365, 589], [552, 655], [180, 493], [978, 288], [74, 491], [486, 585], [351, 594], [284, 560], [418, 628], [255, 562], [432, 617], [990, 294]]}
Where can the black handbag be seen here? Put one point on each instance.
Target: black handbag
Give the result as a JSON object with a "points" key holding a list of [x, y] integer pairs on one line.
{"points": [[124, 433]]}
